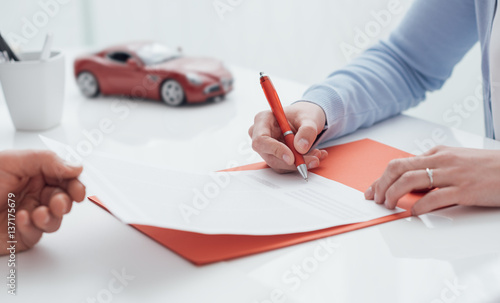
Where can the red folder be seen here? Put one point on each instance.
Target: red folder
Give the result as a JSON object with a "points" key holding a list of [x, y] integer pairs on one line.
{"points": [[356, 164]]}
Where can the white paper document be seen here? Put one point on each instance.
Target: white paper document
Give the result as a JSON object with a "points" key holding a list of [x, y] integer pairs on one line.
{"points": [[258, 202]]}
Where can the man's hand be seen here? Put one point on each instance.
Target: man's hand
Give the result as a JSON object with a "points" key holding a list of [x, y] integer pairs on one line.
{"points": [[461, 175], [44, 189], [306, 119]]}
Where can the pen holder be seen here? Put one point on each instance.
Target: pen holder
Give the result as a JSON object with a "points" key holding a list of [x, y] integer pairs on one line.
{"points": [[34, 90]]}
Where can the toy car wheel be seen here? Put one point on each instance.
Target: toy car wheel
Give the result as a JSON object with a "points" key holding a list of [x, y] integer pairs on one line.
{"points": [[172, 93], [88, 84], [218, 99]]}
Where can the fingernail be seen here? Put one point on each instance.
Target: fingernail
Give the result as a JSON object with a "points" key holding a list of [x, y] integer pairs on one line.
{"points": [[72, 164], [313, 164], [287, 159], [369, 192], [303, 143]]}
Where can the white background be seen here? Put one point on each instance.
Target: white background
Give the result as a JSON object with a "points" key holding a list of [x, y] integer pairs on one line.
{"points": [[298, 40]]}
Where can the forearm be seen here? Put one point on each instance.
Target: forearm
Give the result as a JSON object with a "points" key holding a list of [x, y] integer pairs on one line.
{"points": [[395, 74]]}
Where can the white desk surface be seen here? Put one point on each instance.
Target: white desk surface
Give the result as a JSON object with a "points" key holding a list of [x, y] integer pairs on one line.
{"points": [[401, 261]]}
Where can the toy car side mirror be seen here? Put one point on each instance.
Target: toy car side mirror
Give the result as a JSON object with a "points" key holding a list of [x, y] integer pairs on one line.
{"points": [[132, 63]]}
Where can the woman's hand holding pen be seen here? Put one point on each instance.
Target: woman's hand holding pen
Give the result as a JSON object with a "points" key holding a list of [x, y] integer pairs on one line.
{"points": [[461, 175], [306, 119]]}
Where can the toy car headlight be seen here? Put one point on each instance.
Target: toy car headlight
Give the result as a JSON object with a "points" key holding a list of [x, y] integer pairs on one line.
{"points": [[194, 79]]}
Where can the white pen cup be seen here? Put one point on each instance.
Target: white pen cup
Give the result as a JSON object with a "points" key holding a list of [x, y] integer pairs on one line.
{"points": [[34, 90]]}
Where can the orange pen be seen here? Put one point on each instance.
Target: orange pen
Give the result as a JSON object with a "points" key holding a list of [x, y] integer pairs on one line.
{"points": [[279, 114]]}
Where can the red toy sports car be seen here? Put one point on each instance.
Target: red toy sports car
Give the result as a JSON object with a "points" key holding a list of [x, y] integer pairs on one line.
{"points": [[153, 71]]}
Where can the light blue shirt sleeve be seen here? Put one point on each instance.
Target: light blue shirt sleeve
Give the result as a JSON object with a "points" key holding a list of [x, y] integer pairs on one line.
{"points": [[396, 73]]}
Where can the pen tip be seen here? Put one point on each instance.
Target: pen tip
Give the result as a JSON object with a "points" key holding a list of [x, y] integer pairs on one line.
{"points": [[302, 168], [261, 74]]}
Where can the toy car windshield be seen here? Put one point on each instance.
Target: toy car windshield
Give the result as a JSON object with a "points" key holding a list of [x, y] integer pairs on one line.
{"points": [[156, 53]]}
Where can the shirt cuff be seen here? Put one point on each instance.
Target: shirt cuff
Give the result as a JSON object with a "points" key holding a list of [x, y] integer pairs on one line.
{"points": [[333, 106]]}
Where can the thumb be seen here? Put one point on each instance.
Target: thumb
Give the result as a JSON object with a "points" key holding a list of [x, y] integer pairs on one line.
{"points": [[46, 163], [305, 136]]}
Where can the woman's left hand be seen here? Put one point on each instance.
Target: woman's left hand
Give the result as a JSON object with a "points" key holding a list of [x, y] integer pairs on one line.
{"points": [[461, 175]]}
